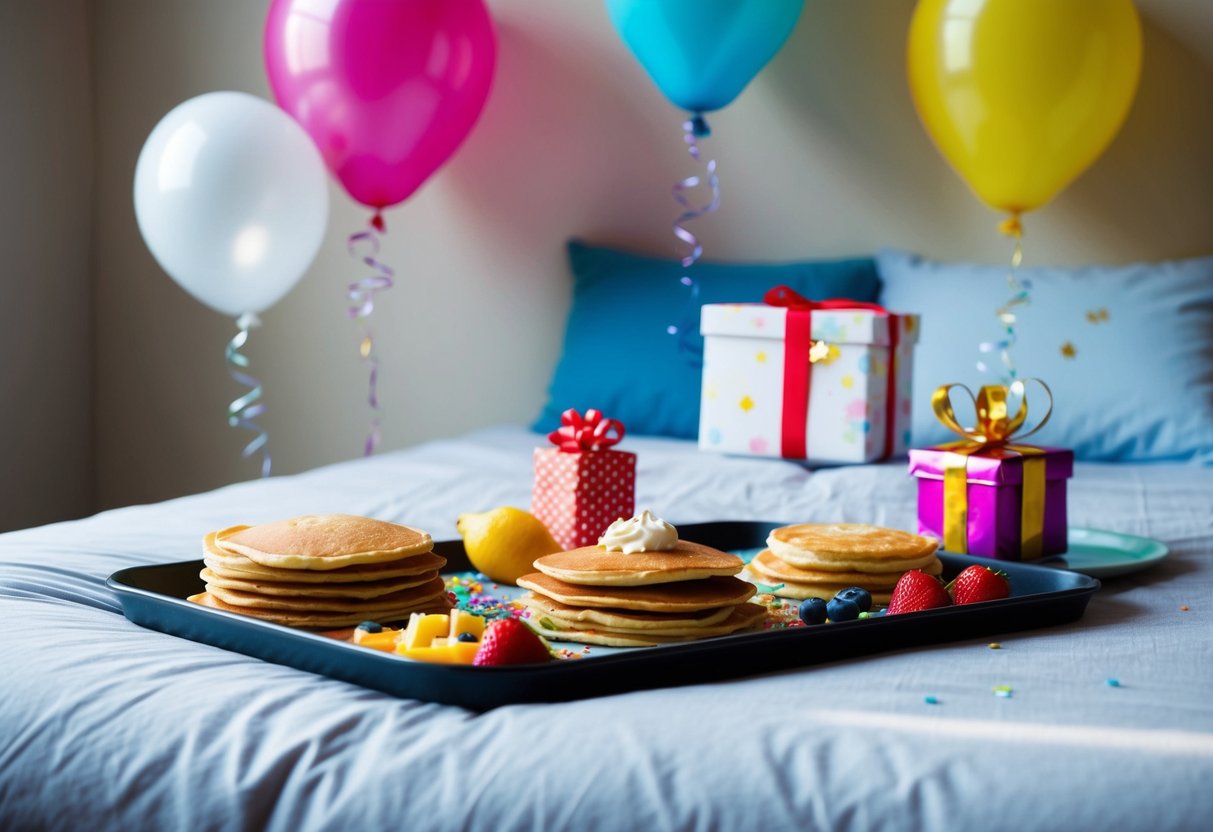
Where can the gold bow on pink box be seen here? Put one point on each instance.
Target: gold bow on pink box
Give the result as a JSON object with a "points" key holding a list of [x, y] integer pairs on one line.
{"points": [[994, 428]]}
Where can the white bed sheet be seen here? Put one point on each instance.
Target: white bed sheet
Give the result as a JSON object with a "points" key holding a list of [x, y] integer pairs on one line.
{"points": [[104, 724]]}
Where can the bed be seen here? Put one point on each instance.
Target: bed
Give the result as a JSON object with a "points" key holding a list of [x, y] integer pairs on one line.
{"points": [[104, 724]]}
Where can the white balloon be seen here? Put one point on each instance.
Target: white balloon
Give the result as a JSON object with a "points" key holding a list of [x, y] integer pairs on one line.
{"points": [[231, 197]]}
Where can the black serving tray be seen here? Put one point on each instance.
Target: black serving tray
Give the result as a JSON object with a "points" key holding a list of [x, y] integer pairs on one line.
{"points": [[155, 597]]}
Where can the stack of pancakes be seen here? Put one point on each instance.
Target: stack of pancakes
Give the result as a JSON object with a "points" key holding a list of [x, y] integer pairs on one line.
{"points": [[816, 560], [330, 570], [593, 596]]}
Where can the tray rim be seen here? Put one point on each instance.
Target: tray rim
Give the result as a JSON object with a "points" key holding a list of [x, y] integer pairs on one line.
{"points": [[679, 652]]}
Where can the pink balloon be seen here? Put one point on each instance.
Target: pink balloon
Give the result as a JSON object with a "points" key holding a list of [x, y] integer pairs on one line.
{"points": [[387, 89]]}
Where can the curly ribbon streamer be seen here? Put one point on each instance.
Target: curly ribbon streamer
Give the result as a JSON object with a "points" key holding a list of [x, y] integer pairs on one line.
{"points": [[693, 129], [1021, 295], [364, 246], [592, 432], [242, 411], [994, 428]]}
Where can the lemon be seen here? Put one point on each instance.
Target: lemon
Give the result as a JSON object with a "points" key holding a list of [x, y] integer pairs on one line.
{"points": [[504, 542]]}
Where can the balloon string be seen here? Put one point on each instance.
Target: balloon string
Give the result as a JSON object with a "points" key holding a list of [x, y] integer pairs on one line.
{"points": [[364, 246], [693, 129], [1021, 295], [242, 411]]}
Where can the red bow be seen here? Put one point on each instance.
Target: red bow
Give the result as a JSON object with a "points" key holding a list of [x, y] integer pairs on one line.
{"points": [[591, 432], [789, 298]]}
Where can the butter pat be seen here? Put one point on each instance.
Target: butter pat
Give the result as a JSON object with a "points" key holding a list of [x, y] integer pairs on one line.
{"points": [[646, 532]]}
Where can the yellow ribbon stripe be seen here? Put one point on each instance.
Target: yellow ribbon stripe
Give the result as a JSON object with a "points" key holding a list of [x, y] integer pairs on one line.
{"points": [[1032, 517], [955, 503]]}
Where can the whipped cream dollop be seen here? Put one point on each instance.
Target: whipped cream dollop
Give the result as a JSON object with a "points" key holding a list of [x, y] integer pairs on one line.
{"points": [[646, 532]]}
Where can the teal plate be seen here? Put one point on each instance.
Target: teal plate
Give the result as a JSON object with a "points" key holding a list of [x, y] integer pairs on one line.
{"points": [[1102, 554]]}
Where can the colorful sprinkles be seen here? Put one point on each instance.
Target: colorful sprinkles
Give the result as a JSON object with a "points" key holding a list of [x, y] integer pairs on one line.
{"points": [[467, 592], [1003, 691], [931, 700], [781, 614]]}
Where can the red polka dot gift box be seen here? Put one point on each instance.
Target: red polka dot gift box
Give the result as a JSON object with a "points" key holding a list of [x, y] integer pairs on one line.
{"points": [[824, 381], [582, 485]]}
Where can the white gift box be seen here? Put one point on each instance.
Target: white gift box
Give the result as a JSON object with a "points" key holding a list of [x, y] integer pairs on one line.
{"points": [[830, 404]]}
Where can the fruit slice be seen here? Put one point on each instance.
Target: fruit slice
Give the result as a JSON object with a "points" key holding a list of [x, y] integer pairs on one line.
{"points": [[437, 638], [509, 641], [384, 639]]}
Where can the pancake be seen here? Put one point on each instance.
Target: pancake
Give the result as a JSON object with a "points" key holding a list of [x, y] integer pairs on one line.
{"points": [[369, 606], [324, 542], [682, 596], [591, 617], [315, 619], [766, 565], [593, 565], [743, 617], [229, 564], [850, 547], [350, 589], [791, 589]]}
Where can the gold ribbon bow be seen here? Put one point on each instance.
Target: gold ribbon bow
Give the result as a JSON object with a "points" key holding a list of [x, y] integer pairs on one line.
{"points": [[995, 427]]}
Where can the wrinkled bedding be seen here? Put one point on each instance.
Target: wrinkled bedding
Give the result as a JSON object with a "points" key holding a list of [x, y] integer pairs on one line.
{"points": [[107, 725]]}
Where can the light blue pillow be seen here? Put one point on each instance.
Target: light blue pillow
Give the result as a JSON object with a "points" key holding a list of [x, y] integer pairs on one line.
{"points": [[1127, 350], [618, 356]]}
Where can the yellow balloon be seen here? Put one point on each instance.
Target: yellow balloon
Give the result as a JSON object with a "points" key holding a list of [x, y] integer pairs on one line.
{"points": [[1021, 96]]}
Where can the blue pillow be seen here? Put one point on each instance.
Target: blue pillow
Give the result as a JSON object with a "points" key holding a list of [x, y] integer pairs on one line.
{"points": [[1126, 350], [618, 356]]}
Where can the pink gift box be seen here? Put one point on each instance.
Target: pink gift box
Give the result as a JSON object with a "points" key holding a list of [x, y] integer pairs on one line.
{"points": [[577, 495], [995, 499]]}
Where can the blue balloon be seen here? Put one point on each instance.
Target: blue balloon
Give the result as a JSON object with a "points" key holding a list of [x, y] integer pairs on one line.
{"points": [[702, 53]]}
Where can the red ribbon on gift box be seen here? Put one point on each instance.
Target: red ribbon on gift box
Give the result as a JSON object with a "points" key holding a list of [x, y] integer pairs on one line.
{"points": [[592, 432], [797, 368]]}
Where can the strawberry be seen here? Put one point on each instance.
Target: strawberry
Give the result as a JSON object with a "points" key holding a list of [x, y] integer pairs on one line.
{"points": [[979, 583], [509, 641], [916, 590]]}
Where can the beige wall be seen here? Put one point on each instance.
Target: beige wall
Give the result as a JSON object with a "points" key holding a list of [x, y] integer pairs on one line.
{"points": [[46, 165], [822, 155]]}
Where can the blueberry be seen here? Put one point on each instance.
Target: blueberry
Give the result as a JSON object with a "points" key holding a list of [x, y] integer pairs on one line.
{"points": [[813, 611], [370, 627], [841, 609], [857, 595], [465, 637]]}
